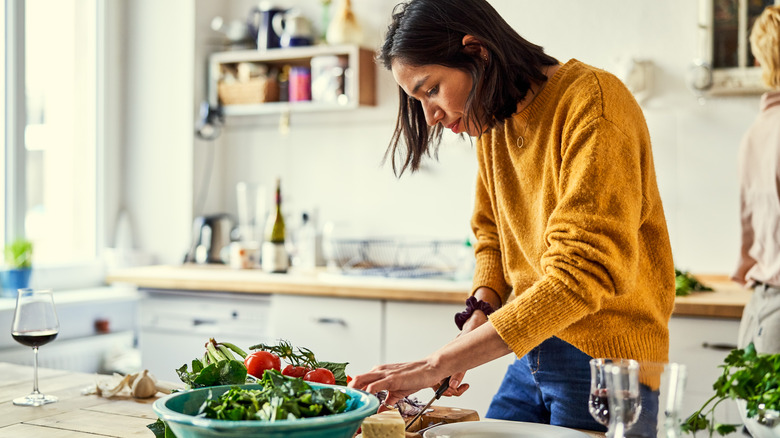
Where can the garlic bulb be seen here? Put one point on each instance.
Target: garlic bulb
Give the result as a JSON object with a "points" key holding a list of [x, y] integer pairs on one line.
{"points": [[344, 27], [144, 385]]}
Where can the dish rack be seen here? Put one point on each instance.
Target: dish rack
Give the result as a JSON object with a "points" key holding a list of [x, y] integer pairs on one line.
{"points": [[396, 258]]}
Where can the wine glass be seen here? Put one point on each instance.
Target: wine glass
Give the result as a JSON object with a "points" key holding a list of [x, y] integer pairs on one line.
{"points": [[624, 406], [671, 388], [35, 324], [598, 403]]}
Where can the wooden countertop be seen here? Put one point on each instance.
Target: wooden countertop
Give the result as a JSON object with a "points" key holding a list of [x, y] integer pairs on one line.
{"points": [[74, 415], [726, 301]]}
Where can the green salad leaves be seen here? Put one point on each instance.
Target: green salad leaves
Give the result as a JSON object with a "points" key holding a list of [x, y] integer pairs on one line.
{"points": [[685, 283], [747, 375], [281, 398]]}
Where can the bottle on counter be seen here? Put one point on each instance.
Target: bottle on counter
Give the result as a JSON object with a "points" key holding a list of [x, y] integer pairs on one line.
{"points": [[274, 256], [306, 244]]}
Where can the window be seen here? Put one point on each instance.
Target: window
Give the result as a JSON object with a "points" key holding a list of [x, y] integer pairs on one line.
{"points": [[725, 64], [52, 125]]}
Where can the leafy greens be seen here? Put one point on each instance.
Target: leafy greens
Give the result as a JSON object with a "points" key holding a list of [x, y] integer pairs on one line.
{"points": [[747, 375], [281, 398]]}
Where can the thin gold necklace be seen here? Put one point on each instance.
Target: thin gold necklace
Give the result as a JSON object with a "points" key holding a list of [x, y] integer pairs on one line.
{"points": [[520, 142]]}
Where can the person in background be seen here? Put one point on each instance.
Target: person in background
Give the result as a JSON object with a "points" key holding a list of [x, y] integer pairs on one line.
{"points": [[759, 176], [572, 249]]}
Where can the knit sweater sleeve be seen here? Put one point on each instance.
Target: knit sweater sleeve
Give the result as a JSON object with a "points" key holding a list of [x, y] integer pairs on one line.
{"points": [[489, 271], [591, 237]]}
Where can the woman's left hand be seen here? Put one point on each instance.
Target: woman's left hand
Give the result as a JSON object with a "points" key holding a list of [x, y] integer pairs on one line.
{"points": [[402, 379]]}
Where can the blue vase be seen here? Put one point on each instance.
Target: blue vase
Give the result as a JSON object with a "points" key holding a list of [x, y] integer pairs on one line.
{"points": [[14, 279]]}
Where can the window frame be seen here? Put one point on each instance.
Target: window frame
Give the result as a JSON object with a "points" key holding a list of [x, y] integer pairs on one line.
{"points": [[67, 275]]}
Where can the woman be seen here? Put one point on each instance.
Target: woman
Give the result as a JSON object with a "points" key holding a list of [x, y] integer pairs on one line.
{"points": [[567, 218], [759, 174]]}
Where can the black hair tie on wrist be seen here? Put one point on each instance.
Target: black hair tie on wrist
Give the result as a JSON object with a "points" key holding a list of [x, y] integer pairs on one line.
{"points": [[472, 304]]}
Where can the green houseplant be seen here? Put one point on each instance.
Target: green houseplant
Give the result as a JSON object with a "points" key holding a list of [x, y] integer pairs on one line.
{"points": [[18, 266]]}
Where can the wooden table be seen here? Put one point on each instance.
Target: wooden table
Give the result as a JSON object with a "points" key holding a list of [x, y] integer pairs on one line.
{"points": [[74, 415]]}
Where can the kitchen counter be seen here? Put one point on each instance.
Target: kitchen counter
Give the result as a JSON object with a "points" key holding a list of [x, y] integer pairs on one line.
{"points": [[74, 415], [726, 301]]}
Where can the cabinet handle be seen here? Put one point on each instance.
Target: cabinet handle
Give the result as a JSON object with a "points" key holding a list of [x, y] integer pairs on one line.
{"points": [[719, 346], [326, 320], [197, 322]]}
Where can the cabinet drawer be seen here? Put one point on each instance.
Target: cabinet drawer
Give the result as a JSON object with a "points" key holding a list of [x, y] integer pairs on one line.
{"points": [[335, 329], [702, 344]]}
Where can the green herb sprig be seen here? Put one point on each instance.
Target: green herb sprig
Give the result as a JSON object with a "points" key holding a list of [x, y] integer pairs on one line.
{"points": [[748, 376]]}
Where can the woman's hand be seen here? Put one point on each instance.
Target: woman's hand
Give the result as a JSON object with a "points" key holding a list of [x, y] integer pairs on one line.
{"points": [[403, 379]]}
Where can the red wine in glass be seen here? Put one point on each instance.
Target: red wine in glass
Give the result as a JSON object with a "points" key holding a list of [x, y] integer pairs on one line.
{"points": [[599, 406], [34, 338], [35, 324]]}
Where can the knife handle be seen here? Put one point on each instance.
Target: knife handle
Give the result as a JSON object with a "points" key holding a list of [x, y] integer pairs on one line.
{"points": [[443, 387]]}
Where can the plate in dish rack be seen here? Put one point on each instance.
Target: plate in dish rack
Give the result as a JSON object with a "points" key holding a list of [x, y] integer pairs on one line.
{"points": [[501, 429]]}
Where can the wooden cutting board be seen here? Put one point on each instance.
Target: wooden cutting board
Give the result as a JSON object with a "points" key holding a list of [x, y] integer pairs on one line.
{"points": [[441, 414]]}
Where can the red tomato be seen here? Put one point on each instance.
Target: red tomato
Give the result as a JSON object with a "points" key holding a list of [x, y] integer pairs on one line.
{"points": [[294, 371], [320, 375], [256, 363]]}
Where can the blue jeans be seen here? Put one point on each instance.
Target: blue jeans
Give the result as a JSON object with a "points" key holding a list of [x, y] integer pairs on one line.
{"points": [[551, 385]]}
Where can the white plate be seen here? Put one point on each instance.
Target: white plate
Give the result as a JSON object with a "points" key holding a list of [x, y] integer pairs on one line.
{"points": [[500, 429]]}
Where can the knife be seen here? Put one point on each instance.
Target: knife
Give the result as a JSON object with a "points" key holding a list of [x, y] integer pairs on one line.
{"points": [[444, 385]]}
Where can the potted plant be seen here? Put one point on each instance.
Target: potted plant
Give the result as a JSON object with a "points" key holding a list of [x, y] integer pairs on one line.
{"points": [[753, 380], [18, 266]]}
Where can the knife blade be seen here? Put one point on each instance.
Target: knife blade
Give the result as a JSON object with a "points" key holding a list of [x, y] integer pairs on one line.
{"points": [[443, 387]]}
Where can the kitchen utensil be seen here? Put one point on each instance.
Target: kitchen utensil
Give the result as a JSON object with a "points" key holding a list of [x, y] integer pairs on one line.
{"points": [[442, 387], [211, 238], [35, 324], [178, 411], [293, 29], [260, 25], [501, 429]]}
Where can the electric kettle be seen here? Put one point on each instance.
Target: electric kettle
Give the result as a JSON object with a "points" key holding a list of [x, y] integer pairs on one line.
{"points": [[210, 238], [293, 29]]}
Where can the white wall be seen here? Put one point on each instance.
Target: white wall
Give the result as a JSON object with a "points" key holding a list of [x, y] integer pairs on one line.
{"points": [[157, 97], [331, 162]]}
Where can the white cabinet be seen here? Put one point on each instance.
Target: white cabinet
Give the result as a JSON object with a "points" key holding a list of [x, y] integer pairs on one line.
{"points": [[702, 344], [335, 329], [415, 330], [174, 326]]}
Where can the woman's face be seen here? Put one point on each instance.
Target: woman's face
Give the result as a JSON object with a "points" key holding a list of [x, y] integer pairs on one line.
{"points": [[442, 92]]}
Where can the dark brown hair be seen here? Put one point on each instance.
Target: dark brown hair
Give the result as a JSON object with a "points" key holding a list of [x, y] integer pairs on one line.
{"points": [[425, 32]]}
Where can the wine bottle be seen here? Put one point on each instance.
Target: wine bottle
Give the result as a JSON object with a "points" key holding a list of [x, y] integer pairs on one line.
{"points": [[274, 257]]}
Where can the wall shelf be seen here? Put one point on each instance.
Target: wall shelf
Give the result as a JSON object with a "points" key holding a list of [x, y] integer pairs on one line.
{"points": [[360, 77]]}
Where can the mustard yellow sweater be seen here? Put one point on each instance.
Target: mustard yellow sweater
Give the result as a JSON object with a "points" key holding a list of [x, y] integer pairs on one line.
{"points": [[571, 222]]}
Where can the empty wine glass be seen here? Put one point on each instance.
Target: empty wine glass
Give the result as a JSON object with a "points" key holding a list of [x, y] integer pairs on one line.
{"points": [[598, 404], [662, 385], [35, 324], [624, 396]]}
